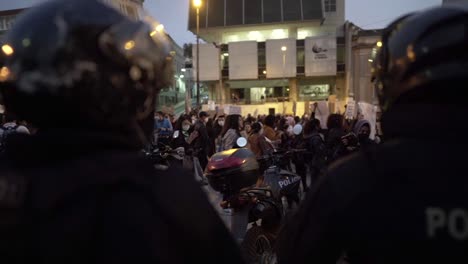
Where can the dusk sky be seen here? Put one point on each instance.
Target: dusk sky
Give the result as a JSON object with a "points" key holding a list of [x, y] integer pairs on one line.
{"points": [[174, 13]]}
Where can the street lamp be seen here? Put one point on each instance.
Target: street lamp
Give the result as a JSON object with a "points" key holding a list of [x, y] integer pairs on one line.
{"points": [[284, 49], [197, 4]]}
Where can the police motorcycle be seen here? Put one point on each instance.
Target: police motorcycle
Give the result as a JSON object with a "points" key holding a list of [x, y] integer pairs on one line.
{"points": [[161, 154], [259, 201]]}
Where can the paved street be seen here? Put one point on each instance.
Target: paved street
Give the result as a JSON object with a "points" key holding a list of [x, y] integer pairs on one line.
{"points": [[236, 223]]}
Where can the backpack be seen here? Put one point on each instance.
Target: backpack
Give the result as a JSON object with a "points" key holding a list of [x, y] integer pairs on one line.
{"points": [[7, 131]]}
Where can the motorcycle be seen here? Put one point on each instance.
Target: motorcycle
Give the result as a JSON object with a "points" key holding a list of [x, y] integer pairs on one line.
{"points": [[161, 154], [259, 200]]}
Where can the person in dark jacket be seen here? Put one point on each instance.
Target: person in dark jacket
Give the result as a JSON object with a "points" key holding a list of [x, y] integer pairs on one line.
{"points": [[362, 130], [403, 201], [201, 143], [316, 154], [211, 136], [183, 136], [299, 159], [79, 190], [333, 137]]}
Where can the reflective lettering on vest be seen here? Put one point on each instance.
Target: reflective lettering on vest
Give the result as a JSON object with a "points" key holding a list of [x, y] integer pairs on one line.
{"points": [[454, 222], [288, 181]]}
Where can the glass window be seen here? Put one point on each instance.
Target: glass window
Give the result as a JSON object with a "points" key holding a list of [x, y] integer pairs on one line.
{"points": [[225, 62], [192, 17], [292, 10], [9, 21], [312, 9], [314, 92], [215, 13], [234, 14], [300, 56], [131, 12], [340, 54], [253, 11], [2, 23], [271, 11], [330, 5], [261, 57]]}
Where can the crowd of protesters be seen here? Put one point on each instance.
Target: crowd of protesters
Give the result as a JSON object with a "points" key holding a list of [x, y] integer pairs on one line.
{"points": [[202, 135]]}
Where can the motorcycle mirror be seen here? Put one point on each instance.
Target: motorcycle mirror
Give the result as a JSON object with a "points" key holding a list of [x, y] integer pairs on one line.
{"points": [[241, 142], [176, 134], [297, 130]]}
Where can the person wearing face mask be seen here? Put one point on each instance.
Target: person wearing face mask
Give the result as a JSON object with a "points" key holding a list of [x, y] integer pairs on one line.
{"points": [[362, 130], [184, 126], [217, 129], [194, 119]]}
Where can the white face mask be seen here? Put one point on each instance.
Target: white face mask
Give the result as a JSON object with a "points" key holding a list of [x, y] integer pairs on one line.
{"points": [[221, 122], [194, 121], [185, 128]]}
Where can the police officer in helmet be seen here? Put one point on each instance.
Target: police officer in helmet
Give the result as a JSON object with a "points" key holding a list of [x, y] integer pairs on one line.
{"points": [[404, 201], [78, 191]]}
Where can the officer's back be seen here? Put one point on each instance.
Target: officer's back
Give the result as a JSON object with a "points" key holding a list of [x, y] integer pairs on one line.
{"points": [[78, 191], [406, 200]]}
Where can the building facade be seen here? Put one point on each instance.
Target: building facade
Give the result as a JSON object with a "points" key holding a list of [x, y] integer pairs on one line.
{"points": [[362, 49], [7, 19], [272, 55]]}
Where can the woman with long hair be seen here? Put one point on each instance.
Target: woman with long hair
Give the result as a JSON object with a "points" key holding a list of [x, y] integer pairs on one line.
{"points": [[253, 139], [231, 131]]}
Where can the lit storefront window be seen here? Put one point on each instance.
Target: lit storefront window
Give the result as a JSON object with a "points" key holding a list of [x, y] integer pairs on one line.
{"points": [[314, 92], [255, 35]]}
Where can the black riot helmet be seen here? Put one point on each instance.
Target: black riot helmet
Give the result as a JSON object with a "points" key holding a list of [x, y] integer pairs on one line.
{"points": [[83, 64], [423, 57]]}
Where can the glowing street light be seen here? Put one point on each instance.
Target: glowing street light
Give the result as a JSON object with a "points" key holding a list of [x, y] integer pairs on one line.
{"points": [[8, 50], [160, 28], [197, 4], [284, 48], [379, 44], [4, 73], [129, 45]]}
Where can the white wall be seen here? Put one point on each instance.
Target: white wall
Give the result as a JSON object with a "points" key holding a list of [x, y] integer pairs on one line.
{"points": [[274, 58], [243, 60]]}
